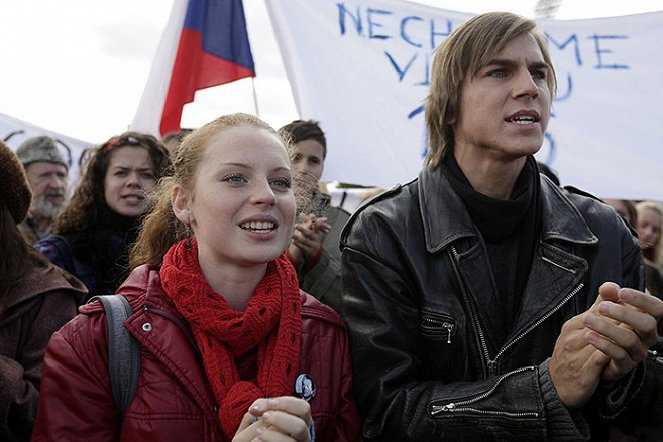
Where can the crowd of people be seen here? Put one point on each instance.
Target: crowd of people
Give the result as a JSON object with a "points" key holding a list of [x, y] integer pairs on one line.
{"points": [[480, 301]]}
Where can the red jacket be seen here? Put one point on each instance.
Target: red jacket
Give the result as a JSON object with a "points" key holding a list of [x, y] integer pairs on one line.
{"points": [[173, 401]]}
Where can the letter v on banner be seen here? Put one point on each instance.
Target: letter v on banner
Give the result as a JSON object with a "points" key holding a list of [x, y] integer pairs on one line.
{"points": [[205, 44]]}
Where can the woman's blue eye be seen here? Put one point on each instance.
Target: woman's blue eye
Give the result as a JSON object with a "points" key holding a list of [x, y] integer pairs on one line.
{"points": [[234, 179], [281, 183]]}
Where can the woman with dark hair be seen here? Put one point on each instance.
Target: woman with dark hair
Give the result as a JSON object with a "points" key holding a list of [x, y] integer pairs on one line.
{"points": [[230, 347], [92, 236], [36, 299]]}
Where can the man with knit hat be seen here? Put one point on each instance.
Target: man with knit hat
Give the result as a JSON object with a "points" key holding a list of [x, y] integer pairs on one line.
{"points": [[47, 173]]}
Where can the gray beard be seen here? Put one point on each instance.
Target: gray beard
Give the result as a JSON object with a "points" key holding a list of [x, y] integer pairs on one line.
{"points": [[46, 209]]}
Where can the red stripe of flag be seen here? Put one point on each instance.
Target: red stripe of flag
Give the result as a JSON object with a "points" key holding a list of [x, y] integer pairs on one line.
{"points": [[195, 68]]}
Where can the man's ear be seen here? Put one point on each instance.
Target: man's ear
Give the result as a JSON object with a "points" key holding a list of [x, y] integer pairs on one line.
{"points": [[181, 204]]}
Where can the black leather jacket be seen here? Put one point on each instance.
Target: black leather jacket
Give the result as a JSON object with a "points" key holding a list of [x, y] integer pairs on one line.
{"points": [[421, 307]]}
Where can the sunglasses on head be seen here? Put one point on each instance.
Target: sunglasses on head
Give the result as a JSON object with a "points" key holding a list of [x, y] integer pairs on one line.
{"points": [[121, 141]]}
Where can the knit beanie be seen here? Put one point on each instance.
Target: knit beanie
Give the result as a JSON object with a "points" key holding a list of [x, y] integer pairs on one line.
{"points": [[14, 191], [41, 148]]}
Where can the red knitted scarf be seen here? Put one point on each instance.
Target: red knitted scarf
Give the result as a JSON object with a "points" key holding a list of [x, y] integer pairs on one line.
{"points": [[272, 320]]}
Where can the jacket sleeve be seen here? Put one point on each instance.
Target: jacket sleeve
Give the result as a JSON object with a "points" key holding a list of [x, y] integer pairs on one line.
{"points": [[397, 396], [323, 280], [20, 377], [58, 252], [18, 401], [638, 407], [76, 402], [635, 402], [347, 424]]}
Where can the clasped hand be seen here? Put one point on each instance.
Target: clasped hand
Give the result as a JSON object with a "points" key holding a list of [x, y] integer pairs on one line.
{"points": [[604, 343], [284, 418], [307, 237]]}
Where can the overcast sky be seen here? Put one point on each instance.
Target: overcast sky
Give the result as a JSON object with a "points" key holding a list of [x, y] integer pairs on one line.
{"points": [[79, 67]]}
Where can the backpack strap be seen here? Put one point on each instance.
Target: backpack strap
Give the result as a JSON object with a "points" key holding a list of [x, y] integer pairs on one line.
{"points": [[123, 351]]}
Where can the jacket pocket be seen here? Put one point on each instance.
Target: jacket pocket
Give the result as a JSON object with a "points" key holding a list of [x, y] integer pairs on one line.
{"points": [[437, 326]]}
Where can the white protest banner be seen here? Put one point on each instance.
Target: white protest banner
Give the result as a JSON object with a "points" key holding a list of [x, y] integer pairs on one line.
{"points": [[14, 132], [362, 68]]}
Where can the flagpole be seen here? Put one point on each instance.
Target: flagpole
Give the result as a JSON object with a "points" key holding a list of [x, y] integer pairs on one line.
{"points": [[255, 96]]}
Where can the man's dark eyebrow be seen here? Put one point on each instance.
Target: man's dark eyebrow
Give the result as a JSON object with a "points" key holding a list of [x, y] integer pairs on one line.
{"points": [[539, 65], [507, 62]]}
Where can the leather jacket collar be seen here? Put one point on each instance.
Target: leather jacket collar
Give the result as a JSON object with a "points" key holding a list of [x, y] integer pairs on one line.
{"points": [[561, 220]]}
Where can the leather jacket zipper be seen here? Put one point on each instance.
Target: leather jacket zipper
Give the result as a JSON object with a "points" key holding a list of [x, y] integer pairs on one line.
{"points": [[464, 406], [473, 312], [449, 327], [492, 363], [540, 320], [433, 324]]}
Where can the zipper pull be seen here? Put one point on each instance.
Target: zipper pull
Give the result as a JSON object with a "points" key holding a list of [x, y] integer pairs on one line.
{"points": [[436, 409], [449, 328], [492, 367]]}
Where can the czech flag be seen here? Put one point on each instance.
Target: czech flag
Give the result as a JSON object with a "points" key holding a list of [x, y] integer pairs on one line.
{"points": [[205, 44]]}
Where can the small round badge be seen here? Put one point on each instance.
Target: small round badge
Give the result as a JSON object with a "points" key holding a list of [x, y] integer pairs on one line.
{"points": [[305, 387]]}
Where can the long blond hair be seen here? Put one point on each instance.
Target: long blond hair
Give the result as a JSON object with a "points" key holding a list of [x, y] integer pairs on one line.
{"points": [[655, 207]]}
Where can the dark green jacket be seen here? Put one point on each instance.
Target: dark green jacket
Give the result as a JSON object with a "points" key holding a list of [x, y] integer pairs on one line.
{"points": [[323, 280]]}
